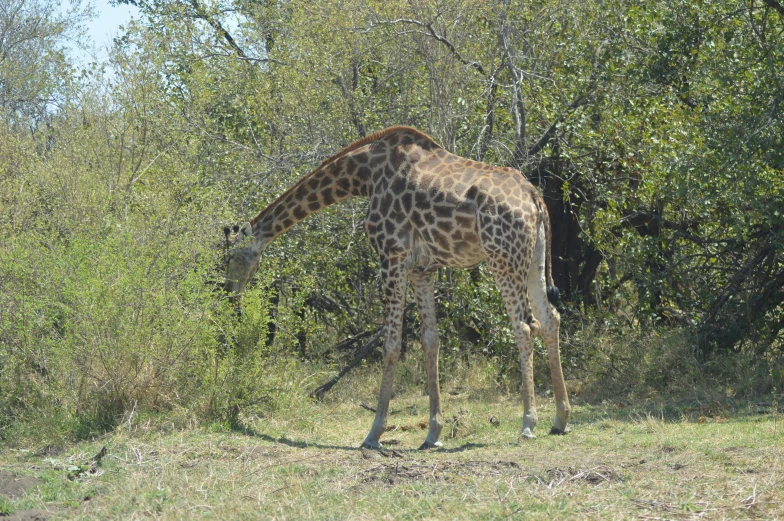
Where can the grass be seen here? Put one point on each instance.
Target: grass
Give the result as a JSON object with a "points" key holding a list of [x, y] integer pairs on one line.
{"points": [[640, 460]]}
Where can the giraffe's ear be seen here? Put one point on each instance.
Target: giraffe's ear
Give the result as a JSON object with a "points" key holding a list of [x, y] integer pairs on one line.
{"points": [[236, 234]]}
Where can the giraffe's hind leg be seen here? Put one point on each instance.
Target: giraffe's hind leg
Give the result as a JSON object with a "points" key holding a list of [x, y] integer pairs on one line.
{"points": [[511, 280], [550, 322], [508, 243], [423, 286]]}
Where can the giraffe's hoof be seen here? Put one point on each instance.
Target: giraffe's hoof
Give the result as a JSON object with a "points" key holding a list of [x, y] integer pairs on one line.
{"points": [[560, 432], [430, 445], [370, 454], [527, 434], [372, 445]]}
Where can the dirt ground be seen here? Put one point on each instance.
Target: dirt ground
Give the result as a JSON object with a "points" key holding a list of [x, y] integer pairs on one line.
{"points": [[14, 487]]}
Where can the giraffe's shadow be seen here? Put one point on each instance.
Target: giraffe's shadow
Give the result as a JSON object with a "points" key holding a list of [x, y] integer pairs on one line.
{"points": [[308, 445], [462, 448], [283, 440]]}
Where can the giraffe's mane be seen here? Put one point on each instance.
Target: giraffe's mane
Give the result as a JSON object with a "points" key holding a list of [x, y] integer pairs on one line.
{"points": [[350, 148]]}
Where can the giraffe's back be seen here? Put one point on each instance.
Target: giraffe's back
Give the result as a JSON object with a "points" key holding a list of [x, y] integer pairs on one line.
{"points": [[439, 209]]}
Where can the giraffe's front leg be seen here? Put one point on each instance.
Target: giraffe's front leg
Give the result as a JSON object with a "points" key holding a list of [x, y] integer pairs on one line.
{"points": [[424, 293], [391, 355], [525, 339], [395, 291]]}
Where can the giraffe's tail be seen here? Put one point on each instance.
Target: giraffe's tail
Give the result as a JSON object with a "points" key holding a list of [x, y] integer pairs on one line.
{"points": [[553, 293]]}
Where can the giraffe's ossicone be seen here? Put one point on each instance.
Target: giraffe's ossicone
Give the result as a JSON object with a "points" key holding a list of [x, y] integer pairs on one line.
{"points": [[430, 209]]}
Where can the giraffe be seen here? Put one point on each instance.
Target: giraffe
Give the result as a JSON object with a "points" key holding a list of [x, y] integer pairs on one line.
{"points": [[430, 209]]}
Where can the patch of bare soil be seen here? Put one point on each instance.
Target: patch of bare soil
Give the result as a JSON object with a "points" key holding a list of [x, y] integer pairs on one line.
{"points": [[29, 515], [396, 472], [593, 476], [13, 487], [402, 471]]}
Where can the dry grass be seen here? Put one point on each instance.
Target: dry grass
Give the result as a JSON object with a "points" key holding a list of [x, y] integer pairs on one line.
{"points": [[621, 461]]}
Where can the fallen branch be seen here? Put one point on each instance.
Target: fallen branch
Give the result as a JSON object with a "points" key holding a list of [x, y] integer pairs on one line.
{"points": [[319, 392], [350, 341]]}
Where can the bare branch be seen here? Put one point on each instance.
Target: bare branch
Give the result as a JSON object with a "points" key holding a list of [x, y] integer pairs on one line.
{"points": [[262, 60], [732, 286], [649, 217], [201, 14], [519, 111], [574, 105], [542, 142], [433, 34]]}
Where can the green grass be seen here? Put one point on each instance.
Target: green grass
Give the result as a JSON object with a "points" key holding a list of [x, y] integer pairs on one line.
{"points": [[663, 460]]}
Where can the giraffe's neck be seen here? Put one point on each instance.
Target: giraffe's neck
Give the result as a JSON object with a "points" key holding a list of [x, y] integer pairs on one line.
{"points": [[350, 172], [331, 182]]}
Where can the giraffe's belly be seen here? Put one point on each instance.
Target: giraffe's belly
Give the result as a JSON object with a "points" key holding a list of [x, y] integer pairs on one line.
{"points": [[427, 255], [466, 255]]}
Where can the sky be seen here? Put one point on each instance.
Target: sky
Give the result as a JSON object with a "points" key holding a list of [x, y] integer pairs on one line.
{"points": [[104, 27]]}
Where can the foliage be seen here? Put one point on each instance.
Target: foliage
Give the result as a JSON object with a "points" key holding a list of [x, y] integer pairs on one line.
{"points": [[654, 131]]}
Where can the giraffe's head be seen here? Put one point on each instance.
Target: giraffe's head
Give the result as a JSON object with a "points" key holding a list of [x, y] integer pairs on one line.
{"points": [[242, 260]]}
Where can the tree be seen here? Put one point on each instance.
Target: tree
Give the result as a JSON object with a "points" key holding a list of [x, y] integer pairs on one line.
{"points": [[34, 68]]}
